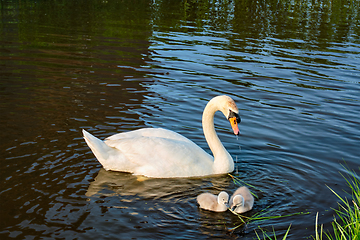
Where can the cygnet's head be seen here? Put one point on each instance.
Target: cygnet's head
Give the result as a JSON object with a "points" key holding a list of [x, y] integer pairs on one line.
{"points": [[223, 198], [238, 203]]}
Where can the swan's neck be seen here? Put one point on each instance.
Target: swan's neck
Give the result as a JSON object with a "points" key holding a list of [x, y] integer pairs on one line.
{"points": [[223, 162]]}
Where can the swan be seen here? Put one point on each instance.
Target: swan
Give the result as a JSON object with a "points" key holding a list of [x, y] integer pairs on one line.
{"points": [[161, 153], [242, 200], [212, 202]]}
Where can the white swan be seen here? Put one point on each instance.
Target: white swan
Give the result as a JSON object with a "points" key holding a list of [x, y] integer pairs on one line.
{"points": [[212, 202], [160, 153], [242, 200]]}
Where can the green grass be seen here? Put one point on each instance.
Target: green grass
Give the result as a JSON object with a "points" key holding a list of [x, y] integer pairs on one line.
{"points": [[263, 215], [346, 224], [273, 237], [260, 216]]}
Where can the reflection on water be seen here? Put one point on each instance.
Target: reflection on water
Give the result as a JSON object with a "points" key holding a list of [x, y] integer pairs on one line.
{"points": [[107, 66], [145, 198], [130, 185]]}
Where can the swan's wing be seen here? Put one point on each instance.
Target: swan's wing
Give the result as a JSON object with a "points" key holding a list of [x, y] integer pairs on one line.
{"points": [[162, 155], [149, 132]]}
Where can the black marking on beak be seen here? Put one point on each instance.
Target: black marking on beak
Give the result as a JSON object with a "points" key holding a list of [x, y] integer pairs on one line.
{"points": [[233, 114]]}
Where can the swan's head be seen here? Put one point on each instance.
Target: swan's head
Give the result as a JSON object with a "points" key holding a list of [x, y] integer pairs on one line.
{"points": [[229, 109], [223, 198], [238, 203]]}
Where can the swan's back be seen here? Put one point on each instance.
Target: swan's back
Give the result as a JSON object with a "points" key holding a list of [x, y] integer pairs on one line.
{"points": [[149, 132]]}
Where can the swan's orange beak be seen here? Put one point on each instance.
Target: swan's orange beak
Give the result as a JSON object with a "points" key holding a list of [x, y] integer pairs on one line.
{"points": [[234, 125]]}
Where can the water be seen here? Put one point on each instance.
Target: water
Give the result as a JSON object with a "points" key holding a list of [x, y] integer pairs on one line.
{"points": [[106, 66]]}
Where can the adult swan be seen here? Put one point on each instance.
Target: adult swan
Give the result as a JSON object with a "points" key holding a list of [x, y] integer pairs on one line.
{"points": [[161, 153]]}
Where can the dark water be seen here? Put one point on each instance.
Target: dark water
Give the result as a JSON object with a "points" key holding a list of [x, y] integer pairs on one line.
{"points": [[293, 67]]}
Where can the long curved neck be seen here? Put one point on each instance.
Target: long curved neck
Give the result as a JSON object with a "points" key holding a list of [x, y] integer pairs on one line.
{"points": [[223, 162]]}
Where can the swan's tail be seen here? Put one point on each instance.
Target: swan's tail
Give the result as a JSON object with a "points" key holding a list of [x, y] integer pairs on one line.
{"points": [[98, 147]]}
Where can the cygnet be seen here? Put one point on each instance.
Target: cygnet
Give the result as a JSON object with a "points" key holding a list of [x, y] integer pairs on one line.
{"points": [[242, 200], [212, 202]]}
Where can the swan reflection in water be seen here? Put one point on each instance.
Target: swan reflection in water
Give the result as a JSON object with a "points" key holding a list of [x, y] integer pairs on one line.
{"points": [[172, 190], [108, 183]]}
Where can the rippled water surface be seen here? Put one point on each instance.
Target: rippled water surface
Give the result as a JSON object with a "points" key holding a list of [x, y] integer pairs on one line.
{"points": [[293, 68]]}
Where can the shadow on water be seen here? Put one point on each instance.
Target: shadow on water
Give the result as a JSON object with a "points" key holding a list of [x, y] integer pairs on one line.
{"points": [[113, 66]]}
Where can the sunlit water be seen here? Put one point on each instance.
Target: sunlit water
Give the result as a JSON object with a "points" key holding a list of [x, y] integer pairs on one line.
{"points": [[108, 67]]}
